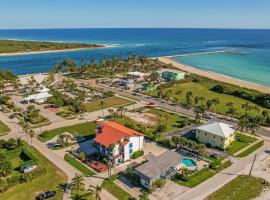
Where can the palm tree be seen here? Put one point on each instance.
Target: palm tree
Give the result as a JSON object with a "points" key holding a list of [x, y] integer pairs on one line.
{"points": [[95, 190], [61, 140], [209, 104], [231, 111], [31, 134], [265, 114], [111, 112], [78, 183], [188, 100], [102, 103], [3, 185]]}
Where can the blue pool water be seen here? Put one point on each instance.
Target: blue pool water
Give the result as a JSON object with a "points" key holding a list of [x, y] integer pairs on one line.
{"points": [[252, 65], [189, 162]]}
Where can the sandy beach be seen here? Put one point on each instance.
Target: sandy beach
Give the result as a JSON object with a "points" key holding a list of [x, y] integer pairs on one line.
{"points": [[215, 76], [51, 51]]}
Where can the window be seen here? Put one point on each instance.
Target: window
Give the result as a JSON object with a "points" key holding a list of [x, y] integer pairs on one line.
{"points": [[130, 148]]}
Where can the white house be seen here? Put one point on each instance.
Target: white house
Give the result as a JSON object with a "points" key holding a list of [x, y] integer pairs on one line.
{"points": [[216, 134], [116, 141], [38, 98], [136, 75]]}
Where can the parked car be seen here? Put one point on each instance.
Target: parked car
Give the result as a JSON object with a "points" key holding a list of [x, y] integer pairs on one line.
{"points": [[208, 116], [150, 103], [49, 106], [46, 195], [12, 116]]}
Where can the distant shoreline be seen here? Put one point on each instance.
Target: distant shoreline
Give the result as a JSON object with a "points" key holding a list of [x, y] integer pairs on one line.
{"points": [[51, 51], [215, 76]]}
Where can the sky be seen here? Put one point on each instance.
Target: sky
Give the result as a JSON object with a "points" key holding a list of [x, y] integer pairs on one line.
{"points": [[134, 14]]}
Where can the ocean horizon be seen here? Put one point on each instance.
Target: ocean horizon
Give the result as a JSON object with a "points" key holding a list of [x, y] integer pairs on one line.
{"points": [[252, 64]]}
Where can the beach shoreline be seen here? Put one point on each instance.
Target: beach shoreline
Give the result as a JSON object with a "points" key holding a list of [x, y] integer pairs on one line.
{"points": [[215, 76], [52, 51]]}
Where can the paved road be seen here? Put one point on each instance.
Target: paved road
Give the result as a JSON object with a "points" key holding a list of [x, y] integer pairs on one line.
{"points": [[263, 131], [16, 132], [92, 116]]}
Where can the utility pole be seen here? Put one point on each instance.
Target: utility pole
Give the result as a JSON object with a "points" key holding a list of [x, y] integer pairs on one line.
{"points": [[252, 164]]}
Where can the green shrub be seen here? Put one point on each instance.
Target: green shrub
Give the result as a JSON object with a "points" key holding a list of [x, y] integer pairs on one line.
{"points": [[215, 164], [158, 183], [14, 179], [137, 154]]}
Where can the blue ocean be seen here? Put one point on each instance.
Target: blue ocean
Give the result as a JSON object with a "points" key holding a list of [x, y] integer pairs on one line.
{"points": [[252, 64]]}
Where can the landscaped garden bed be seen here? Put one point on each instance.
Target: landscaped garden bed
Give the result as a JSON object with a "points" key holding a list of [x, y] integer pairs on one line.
{"points": [[194, 179], [240, 188], [78, 165], [86, 129]]}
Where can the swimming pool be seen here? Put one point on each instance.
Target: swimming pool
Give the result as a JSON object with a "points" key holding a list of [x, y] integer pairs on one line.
{"points": [[189, 162]]}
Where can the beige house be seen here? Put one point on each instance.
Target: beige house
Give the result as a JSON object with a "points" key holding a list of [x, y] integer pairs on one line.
{"points": [[216, 134]]}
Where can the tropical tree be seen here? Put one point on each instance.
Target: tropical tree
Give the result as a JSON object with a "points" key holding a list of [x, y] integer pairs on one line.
{"points": [[3, 185], [188, 100], [102, 103], [96, 191], [231, 111], [61, 140], [31, 134], [78, 183]]}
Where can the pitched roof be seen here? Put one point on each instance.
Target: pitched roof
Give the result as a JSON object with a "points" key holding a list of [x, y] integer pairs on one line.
{"points": [[113, 132], [157, 165], [217, 128]]}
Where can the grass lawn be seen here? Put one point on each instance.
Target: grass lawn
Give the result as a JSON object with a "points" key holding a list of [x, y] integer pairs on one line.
{"points": [[85, 170], [173, 121], [203, 89], [241, 188], [86, 129], [197, 178], [108, 102], [251, 149], [114, 189], [241, 141], [3, 128], [49, 181]]}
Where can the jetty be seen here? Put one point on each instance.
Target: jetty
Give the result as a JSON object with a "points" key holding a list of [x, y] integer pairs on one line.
{"points": [[201, 53]]}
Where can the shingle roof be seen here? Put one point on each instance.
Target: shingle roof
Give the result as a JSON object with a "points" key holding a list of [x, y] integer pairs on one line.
{"points": [[156, 165], [113, 132], [218, 128]]}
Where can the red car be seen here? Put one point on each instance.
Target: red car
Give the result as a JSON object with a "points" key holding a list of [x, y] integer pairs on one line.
{"points": [[49, 106], [150, 103]]}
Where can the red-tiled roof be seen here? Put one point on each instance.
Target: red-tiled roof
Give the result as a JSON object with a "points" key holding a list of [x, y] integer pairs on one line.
{"points": [[113, 132]]}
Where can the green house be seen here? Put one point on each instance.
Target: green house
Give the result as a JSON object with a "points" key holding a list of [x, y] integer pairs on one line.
{"points": [[171, 74]]}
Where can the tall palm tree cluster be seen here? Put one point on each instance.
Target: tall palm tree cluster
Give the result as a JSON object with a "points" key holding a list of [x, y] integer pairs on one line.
{"points": [[8, 79], [81, 193], [108, 66], [252, 118]]}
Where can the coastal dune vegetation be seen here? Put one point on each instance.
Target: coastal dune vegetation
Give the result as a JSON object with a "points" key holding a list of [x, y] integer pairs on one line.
{"points": [[16, 46]]}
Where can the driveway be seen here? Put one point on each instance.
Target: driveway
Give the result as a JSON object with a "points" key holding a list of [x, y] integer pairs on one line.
{"points": [[170, 190]]}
